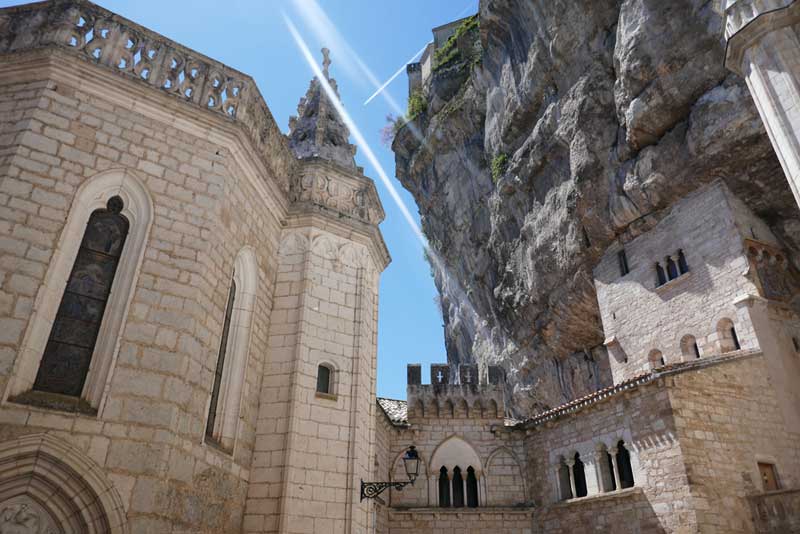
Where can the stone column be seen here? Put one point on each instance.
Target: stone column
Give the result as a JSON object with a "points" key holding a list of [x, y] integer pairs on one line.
{"points": [[433, 486], [599, 458], [464, 485], [571, 465], [764, 48], [613, 452]]}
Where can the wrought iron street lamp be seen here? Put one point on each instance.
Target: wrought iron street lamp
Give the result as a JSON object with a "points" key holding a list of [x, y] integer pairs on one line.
{"points": [[371, 490]]}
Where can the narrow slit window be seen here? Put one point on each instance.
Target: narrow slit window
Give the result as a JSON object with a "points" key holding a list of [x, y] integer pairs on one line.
{"points": [[683, 267], [623, 262], [223, 348], [324, 377], [68, 353], [661, 278], [624, 466], [444, 488], [458, 488], [735, 339], [672, 268], [580, 477], [472, 488]]}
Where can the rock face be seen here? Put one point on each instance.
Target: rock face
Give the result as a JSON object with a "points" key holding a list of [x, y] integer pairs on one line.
{"points": [[598, 116]]}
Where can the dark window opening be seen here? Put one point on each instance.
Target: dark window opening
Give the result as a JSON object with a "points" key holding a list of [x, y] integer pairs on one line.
{"points": [[696, 349], [324, 379], [683, 267], [612, 478], [672, 269], [472, 488], [735, 339], [624, 466], [563, 481], [68, 353], [796, 344], [661, 278], [444, 488], [223, 348], [623, 263], [458, 488], [580, 477]]}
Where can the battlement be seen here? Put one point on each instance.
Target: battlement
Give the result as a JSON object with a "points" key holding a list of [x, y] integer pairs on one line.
{"points": [[459, 394]]}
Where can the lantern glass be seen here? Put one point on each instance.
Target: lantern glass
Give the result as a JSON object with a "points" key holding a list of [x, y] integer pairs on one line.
{"points": [[411, 461]]}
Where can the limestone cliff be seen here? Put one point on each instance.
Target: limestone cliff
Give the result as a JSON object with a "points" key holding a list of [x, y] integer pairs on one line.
{"points": [[596, 116]]}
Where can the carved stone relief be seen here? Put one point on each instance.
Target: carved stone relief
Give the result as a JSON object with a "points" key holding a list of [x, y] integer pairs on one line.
{"points": [[23, 515]]}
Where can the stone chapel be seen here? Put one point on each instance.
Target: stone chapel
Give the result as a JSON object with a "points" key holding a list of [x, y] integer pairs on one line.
{"points": [[188, 321]]}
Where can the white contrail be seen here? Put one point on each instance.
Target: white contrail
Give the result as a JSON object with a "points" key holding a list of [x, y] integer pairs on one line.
{"points": [[367, 151], [395, 75], [354, 131]]}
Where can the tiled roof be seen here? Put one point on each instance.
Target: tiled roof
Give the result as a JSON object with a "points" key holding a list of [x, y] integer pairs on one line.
{"points": [[395, 410], [635, 382]]}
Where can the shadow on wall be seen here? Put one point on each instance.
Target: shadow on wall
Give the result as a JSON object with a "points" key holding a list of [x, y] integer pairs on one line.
{"points": [[603, 514]]}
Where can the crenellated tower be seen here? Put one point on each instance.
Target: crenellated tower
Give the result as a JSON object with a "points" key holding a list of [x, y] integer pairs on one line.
{"points": [[456, 395]]}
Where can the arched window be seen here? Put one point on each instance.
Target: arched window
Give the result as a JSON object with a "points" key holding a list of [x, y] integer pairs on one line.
{"points": [[661, 278], [472, 488], [563, 481], [726, 334], [223, 349], [656, 359], [325, 379], [672, 269], [444, 488], [229, 372], [580, 477], [69, 349], [683, 267], [624, 466], [104, 207], [689, 348], [458, 488]]}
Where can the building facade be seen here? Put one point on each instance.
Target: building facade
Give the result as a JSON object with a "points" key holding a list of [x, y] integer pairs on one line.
{"points": [[189, 297], [188, 322]]}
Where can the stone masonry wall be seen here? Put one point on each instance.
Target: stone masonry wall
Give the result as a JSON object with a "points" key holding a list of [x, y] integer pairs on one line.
{"points": [[307, 443], [728, 419], [659, 500], [643, 317], [149, 437]]}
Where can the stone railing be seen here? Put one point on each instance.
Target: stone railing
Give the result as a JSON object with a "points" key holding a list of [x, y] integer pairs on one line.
{"points": [[776, 512], [108, 40], [739, 13]]}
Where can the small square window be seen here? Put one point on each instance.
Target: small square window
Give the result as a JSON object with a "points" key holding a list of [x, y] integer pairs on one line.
{"points": [[769, 477], [623, 262]]}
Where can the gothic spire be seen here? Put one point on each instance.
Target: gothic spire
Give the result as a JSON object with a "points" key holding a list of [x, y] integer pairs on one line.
{"points": [[318, 130]]}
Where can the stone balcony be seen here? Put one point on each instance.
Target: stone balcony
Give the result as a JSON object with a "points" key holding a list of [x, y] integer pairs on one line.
{"points": [[98, 36]]}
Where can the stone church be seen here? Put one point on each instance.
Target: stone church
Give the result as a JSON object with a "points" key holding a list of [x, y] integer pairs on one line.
{"points": [[188, 321]]}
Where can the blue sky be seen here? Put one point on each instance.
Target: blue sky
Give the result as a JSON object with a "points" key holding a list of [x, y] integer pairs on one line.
{"points": [[252, 36]]}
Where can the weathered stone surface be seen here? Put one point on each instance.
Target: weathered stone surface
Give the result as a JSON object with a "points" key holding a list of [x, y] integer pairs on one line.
{"points": [[608, 112]]}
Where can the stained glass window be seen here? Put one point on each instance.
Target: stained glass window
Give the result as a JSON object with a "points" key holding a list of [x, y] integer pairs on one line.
{"points": [[69, 349], [223, 347]]}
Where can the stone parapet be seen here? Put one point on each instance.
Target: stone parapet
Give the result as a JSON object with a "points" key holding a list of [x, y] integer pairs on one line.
{"points": [[740, 13], [776, 512], [103, 38], [457, 394]]}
